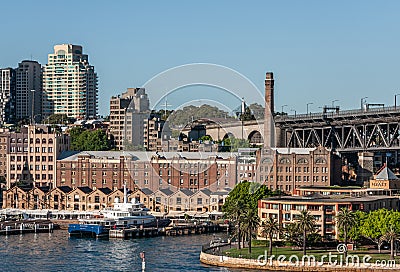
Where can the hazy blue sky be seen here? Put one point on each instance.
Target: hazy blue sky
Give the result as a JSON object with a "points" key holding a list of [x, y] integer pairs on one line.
{"points": [[319, 51]]}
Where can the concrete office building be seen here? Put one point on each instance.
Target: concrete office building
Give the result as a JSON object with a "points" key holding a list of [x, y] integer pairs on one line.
{"points": [[69, 83], [28, 91], [128, 113]]}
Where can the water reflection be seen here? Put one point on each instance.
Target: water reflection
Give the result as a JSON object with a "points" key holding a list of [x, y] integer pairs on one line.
{"points": [[57, 252]]}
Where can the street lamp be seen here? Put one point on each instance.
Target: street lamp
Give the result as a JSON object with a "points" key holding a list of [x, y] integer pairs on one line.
{"points": [[295, 113], [363, 100], [282, 108], [395, 100], [333, 102], [308, 105]]}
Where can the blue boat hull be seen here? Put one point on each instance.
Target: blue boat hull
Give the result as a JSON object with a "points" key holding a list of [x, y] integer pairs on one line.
{"points": [[87, 229]]}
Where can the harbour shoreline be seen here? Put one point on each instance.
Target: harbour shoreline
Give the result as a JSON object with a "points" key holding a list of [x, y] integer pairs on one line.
{"points": [[210, 256]]}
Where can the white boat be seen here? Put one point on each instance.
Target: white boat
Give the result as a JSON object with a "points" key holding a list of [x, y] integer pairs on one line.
{"points": [[121, 215], [127, 214]]}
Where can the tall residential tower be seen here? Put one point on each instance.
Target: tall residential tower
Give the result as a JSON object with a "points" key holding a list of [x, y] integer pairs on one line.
{"points": [[69, 83], [28, 91], [7, 96]]}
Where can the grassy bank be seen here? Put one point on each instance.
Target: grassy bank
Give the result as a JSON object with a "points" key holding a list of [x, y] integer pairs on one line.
{"points": [[258, 250]]}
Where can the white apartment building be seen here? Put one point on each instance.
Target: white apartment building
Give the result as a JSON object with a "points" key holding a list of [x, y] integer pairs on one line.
{"points": [[69, 83]]}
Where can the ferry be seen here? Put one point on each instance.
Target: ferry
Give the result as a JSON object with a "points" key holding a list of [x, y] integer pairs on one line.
{"points": [[91, 227], [121, 215]]}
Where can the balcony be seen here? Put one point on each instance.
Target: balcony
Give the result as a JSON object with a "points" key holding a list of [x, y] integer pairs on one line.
{"points": [[329, 211], [330, 230]]}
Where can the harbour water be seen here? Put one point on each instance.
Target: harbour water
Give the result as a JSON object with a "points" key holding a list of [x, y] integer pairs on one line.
{"points": [[57, 252]]}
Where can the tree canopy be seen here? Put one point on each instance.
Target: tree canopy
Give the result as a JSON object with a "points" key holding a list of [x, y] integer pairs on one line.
{"points": [[247, 192], [56, 119], [185, 115], [82, 140]]}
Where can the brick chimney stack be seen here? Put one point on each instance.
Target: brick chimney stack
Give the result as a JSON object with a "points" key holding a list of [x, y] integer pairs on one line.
{"points": [[269, 92], [269, 128]]}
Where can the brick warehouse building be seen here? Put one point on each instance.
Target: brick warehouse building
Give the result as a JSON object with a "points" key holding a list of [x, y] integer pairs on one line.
{"points": [[290, 168], [194, 171], [286, 170], [31, 155]]}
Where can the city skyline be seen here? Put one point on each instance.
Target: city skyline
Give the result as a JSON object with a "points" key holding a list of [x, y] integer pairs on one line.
{"points": [[319, 52]]}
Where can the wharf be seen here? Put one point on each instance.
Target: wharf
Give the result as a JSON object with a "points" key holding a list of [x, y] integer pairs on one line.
{"points": [[133, 233], [26, 226], [167, 231]]}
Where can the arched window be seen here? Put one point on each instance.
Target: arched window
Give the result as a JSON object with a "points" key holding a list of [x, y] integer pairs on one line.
{"points": [[320, 161], [302, 161], [37, 140], [50, 141], [43, 141], [284, 161]]}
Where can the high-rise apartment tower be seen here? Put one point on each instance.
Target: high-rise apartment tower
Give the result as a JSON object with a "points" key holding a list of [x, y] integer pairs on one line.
{"points": [[69, 83]]}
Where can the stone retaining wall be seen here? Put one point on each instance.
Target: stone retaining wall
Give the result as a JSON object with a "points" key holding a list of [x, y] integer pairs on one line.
{"points": [[226, 261]]}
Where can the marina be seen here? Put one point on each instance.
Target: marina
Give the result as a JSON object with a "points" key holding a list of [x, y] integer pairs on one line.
{"points": [[27, 226], [132, 220]]}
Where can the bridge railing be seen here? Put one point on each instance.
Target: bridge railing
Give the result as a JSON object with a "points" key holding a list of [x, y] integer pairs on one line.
{"points": [[345, 113]]}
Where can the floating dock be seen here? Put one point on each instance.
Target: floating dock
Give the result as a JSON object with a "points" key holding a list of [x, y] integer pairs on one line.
{"points": [[129, 233], [26, 226], [133, 233]]}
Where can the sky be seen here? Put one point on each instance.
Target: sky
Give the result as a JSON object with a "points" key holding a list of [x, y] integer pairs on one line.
{"points": [[319, 51]]}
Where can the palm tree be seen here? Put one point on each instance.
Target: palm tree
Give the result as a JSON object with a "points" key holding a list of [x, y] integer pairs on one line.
{"points": [[306, 223], [390, 236], [234, 213], [346, 219], [251, 221], [269, 227]]}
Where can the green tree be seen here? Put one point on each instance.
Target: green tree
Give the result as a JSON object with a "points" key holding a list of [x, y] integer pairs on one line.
{"points": [[306, 223], [390, 236], [247, 192], [355, 231], [345, 219], [185, 115], [257, 110], [234, 213], [375, 226], [292, 234], [206, 138], [82, 140], [244, 196], [247, 115], [56, 119], [269, 228], [250, 223]]}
